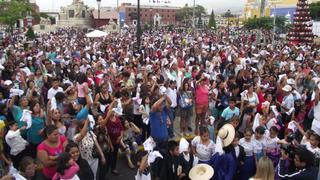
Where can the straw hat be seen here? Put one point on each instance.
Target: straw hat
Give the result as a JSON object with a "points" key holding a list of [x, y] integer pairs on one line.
{"points": [[201, 172], [287, 88], [226, 133]]}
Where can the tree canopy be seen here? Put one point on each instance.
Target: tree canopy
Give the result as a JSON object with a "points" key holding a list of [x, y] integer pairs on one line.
{"points": [[186, 12], [11, 11], [267, 23], [212, 21], [315, 11]]}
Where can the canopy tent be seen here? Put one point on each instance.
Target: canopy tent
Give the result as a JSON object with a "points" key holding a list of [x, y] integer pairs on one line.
{"points": [[96, 33]]}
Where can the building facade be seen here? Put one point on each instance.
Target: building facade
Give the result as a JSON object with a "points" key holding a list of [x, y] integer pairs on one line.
{"points": [[277, 7], [155, 15], [107, 14]]}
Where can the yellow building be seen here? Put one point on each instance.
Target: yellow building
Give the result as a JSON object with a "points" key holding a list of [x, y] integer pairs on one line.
{"points": [[252, 7]]}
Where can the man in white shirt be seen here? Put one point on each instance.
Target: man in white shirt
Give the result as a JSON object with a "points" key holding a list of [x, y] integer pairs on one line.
{"points": [[287, 103], [172, 94], [54, 89], [316, 113]]}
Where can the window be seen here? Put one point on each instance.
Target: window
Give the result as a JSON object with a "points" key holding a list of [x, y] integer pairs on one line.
{"points": [[83, 14], [71, 13]]}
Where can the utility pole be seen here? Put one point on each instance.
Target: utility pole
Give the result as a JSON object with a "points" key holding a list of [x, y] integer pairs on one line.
{"points": [[138, 27], [194, 14]]}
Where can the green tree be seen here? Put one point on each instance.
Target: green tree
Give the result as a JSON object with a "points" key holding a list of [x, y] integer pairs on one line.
{"points": [[267, 23], [185, 13], [212, 21], [315, 11], [11, 11], [30, 33]]}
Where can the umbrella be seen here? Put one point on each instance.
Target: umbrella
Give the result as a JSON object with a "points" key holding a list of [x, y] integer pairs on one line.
{"points": [[96, 33]]}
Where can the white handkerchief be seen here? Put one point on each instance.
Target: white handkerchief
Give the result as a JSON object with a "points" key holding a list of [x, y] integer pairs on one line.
{"points": [[183, 145], [141, 176], [153, 156], [53, 103], [26, 117], [149, 144], [219, 146], [91, 121], [292, 126], [103, 107], [16, 92], [256, 122], [290, 111], [146, 120], [15, 173]]}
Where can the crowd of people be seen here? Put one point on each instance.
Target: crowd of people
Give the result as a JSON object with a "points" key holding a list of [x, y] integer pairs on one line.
{"points": [[71, 104]]}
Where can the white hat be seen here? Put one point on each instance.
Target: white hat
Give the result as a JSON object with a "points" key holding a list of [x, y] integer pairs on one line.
{"points": [[201, 172], [291, 81], [287, 88], [7, 82], [183, 145], [226, 133]]}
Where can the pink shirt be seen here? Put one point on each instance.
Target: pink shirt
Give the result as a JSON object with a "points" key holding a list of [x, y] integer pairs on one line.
{"points": [[68, 173], [50, 171], [80, 88], [202, 95]]}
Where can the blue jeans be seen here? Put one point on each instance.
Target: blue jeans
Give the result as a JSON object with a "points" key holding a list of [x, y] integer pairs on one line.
{"points": [[172, 116]]}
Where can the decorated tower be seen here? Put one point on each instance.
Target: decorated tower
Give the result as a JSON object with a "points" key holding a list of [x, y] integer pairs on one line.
{"points": [[301, 32]]}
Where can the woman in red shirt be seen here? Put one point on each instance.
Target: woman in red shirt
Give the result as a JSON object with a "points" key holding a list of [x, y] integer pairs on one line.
{"points": [[115, 132], [202, 101]]}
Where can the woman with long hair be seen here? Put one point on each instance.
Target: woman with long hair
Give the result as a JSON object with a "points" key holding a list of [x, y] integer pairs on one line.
{"points": [[186, 104], [34, 133], [86, 172], [265, 170]]}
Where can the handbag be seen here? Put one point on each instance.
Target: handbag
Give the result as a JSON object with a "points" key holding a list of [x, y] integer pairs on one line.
{"points": [[95, 153]]}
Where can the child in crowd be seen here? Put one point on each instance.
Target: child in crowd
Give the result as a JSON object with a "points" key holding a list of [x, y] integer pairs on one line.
{"points": [[16, 143], [272, 147], [248, 168], [239, 153], [259, 140], [66, 168], [202, 146], [186, 158]]}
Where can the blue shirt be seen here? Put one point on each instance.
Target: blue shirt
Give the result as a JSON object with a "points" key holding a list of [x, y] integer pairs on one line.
{"points": [[158, 124], [33, 136], [17, 114], [228, 113]]}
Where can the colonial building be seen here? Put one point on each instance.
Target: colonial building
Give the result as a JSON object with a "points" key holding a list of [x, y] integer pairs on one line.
{"points": [[107, 14], [155, 15], [277, 7], [76, 14]]}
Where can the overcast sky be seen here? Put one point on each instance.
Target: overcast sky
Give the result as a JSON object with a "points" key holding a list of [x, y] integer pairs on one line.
{"points": [[216, 5]]}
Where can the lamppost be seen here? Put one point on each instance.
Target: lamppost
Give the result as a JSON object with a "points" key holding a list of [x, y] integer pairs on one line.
{"points": [[228, 25], [99, 4], [138, 26], [194, 14], [150, 10]]}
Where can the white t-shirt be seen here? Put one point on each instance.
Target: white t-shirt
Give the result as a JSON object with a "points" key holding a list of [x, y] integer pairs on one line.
{"points": [[313, 150], [288, 102], [52, 92], [172, 94], [247, 146], [204, 152], [316, 121], [271, 144], [258, 144]]}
